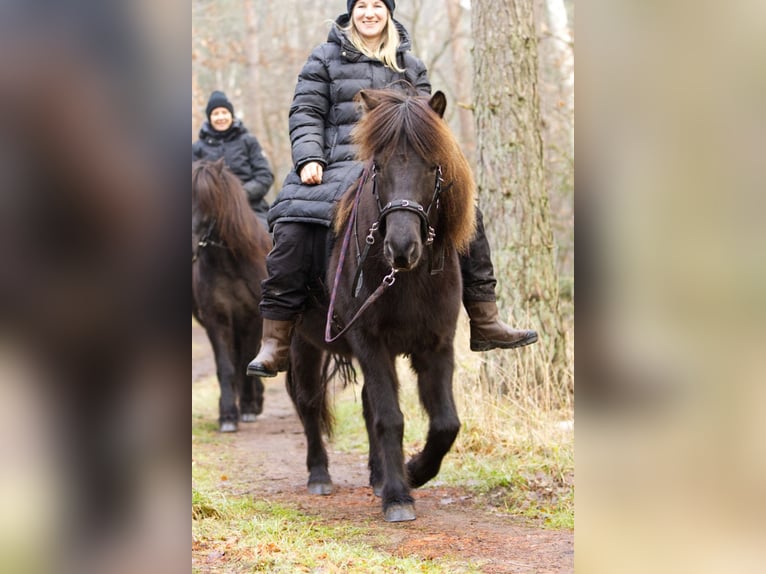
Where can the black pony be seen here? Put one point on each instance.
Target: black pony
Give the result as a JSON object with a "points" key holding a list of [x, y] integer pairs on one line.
{"points": [[395, 290], [229, 247]]}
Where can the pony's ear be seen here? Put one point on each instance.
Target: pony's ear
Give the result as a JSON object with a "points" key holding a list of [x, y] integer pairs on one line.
{"points": [[438, 103], [219, 165], [367, 100]]}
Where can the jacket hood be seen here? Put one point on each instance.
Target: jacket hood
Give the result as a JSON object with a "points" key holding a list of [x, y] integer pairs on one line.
{"points": [[207, 131], [338, 36]]}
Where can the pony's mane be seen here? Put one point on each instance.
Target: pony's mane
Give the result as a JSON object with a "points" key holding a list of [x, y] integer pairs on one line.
{"points": [[218, 195], [400, 119]]}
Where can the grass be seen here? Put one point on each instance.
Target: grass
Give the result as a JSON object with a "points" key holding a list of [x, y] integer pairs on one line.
{"points": [[205, 409], [515, 454], [258, 536], [239, 533]]}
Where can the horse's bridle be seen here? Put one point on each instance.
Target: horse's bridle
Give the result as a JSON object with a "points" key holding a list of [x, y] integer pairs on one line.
{"points": [[208, 239], [427, 229], [428, 232], [409, 205]]}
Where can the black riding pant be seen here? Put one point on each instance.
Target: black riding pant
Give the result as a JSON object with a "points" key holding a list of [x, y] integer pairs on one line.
{"points": [[297, 264], [476, 267]]}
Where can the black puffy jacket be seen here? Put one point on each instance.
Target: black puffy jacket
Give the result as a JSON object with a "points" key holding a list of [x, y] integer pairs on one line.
{"points": [[322, 116], [242, 155]]}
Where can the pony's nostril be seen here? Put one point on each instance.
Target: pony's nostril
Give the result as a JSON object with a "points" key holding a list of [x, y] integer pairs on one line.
{"points": [[413, 255], [401, 256], [402, 262], [388, 253]]}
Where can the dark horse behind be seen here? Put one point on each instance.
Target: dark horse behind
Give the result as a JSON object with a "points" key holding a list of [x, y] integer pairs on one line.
{"points": [[395, 290], [229, 247]]}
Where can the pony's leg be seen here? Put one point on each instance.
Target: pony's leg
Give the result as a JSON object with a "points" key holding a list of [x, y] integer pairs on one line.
{"points": [[434, 371], [222, 342], [251, 390], [307, 389], [251, 400], [387, 422], [374, 462]]}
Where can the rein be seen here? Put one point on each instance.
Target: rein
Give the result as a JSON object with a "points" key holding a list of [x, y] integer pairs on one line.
{"points": [[388, 280], [398, 205]]}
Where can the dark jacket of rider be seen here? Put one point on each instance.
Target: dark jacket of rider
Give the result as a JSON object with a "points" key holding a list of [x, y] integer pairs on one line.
{"points": [[322, 115]]}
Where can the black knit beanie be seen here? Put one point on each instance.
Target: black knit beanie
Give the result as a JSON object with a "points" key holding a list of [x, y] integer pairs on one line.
{"points": [[218, 100], [390, 4]]}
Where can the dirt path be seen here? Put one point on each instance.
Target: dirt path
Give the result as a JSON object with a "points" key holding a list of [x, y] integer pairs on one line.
{"points": [[268, 463]]}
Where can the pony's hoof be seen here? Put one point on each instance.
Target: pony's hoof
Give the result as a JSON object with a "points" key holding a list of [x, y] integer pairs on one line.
{"points": [[400, 512], [377, 490], [249, 417], [228, 426], [320, 488]]}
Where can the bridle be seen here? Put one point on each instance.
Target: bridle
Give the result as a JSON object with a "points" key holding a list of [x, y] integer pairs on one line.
{"points": [[428, 235], [410, 205], [208, 239]]}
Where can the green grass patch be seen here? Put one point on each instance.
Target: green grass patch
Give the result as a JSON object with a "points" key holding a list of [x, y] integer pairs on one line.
{"points": [[204, 429], [249, 535], [524, 485], [205, 395]]}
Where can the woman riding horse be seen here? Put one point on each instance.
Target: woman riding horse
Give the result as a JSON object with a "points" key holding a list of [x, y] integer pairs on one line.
{"points": [[366, 49]]}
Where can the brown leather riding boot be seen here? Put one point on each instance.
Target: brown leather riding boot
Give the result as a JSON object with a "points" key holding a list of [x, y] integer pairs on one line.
{"points": [[275, 348], [489, 332]]}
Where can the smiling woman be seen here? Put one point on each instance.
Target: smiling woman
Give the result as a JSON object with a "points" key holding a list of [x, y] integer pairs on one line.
{"points": [[221, 119], [370, 18], [223, 136], [372, 30]]}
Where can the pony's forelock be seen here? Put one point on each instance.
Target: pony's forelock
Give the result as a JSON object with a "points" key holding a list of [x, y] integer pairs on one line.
{"points": [[218, 195]]}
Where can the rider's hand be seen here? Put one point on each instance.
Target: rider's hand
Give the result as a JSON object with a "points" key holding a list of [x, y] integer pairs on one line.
{"points": [[311, 173]]}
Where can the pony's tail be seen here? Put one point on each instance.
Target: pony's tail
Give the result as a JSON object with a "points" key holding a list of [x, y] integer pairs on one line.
{"points": [[332, 366], [310, 399], [312, 396]]}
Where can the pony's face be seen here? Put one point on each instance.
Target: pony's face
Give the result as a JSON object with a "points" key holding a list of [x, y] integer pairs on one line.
{"points": [[406, 185], [412, 149]]}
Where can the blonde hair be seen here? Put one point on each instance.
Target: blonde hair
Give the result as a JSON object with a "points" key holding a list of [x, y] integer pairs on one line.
{"points": [[386, 50]]}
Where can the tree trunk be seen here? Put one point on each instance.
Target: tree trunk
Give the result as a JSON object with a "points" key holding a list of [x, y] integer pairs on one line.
{"points": [[512, 192], [462, 87]]}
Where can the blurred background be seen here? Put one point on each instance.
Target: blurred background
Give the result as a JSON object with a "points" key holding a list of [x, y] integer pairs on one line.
{"points": [[93, 324], [671, 370]]}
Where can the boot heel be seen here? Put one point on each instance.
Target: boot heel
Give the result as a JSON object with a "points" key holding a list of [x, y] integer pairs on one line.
{"points": [[275, 349], [258, 370]]}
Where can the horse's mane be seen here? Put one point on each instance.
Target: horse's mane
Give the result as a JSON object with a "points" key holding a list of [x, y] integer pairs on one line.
{"points": [[218, 194], [397, 118]]}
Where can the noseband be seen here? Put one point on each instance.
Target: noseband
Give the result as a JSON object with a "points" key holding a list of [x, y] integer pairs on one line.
{"points": [[427, 230]]}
